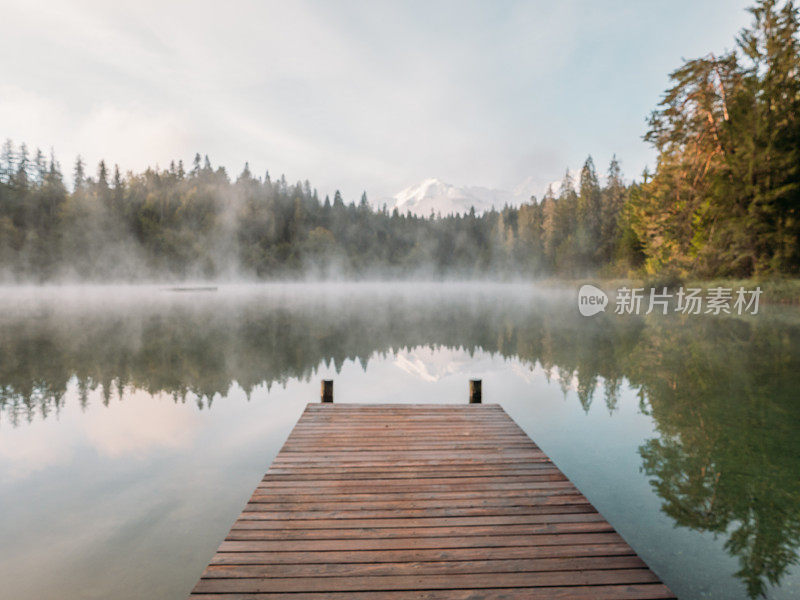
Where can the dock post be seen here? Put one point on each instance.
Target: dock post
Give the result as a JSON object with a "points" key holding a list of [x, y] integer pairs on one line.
{"points": [[327, 390], [474, 391]]}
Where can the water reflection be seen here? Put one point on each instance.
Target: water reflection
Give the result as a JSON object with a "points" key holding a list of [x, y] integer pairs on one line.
{"points": [[196, 348], [724, 397], [721, 392]]}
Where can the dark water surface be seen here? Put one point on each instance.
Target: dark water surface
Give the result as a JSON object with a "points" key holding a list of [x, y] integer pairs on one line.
{"points": [[135, 422]]}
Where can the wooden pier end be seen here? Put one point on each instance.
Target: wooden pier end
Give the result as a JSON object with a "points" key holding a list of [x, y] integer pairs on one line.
{"points": [[438, 502]]}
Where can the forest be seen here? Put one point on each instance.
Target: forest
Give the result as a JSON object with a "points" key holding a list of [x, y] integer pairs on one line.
{"points": [[723, 201]]}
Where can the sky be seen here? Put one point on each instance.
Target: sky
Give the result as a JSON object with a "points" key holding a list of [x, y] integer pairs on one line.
{"points": [[369, 95]]}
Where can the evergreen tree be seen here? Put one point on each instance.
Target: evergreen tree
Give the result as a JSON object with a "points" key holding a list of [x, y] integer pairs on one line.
{"points": [[613, 201], [78, 174], [587, 237], [102, 176], [726, 191]]}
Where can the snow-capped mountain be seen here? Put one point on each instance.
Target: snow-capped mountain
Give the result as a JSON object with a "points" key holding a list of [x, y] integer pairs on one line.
{"points": [[433, 195], [437, 364]]}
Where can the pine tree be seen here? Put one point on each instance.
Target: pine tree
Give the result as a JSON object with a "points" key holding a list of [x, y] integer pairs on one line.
{"points": [[7, 162], [102, 175], [195, 172], [613, 200], [21, 177], [78, 174], [245, 176], [724, 199], [39, 167], [589, 217]]}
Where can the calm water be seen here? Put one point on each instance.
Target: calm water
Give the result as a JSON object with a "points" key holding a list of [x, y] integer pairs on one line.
{"points": [[135, 422]]}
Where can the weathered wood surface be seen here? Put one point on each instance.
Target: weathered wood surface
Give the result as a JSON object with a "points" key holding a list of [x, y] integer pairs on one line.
{"points": [[420, 501]]}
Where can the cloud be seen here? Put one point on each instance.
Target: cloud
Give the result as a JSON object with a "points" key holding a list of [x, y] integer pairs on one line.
{"points": [[140, 424], [29, 117], [158, 135], [351, 95], [42, 121], [22, 453], [132, 428]]}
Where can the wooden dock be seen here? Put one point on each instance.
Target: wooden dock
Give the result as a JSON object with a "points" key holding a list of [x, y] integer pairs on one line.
{"points": [[420, 501]]}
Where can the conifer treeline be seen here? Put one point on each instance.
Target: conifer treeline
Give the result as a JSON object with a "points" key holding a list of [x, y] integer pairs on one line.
{"points": [[725, 197], [199, 223], [724, 201]]}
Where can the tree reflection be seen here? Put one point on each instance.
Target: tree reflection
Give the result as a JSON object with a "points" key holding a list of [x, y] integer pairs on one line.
{"points": [[722, 392]]}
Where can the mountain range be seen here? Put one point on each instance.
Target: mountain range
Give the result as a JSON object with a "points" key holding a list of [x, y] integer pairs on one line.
{"points": [[436, 196]]}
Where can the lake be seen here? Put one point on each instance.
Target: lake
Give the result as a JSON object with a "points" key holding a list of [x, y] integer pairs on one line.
{"points": [[136, 421]]}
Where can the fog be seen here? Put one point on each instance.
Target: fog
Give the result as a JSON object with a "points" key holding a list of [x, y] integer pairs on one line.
{"points": [[175, 226], [194, 342], [200, 224], [714, 396]]}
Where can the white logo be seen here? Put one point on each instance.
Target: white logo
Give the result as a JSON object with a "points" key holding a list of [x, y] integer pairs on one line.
{"points": [[591, 300]]}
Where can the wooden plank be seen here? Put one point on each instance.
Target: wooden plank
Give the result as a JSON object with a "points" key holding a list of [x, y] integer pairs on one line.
{"points": [[571, 563], [248, 522], [549, 505], [443, 516], [473, 581], [448, 502], [597, 545], [549, 474], [613, 592], [531, 499]]}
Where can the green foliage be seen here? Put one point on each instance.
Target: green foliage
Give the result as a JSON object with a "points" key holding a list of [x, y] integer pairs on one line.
{"points": [[724, 201], [199, 224], [725, 197], [724, 455]]}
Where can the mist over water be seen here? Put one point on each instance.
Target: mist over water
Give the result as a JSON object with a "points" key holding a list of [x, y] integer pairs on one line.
{"points": [[135, 420]]}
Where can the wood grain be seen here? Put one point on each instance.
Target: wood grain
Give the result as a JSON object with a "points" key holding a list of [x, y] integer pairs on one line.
{"points": [[441, 502]]}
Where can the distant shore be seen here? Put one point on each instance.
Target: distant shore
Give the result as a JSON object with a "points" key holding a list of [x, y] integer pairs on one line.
{"points": [[784, 290]]}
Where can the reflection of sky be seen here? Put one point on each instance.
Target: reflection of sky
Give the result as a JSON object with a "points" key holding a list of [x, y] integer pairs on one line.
{"points": [[132, 429], [131, 500]]}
